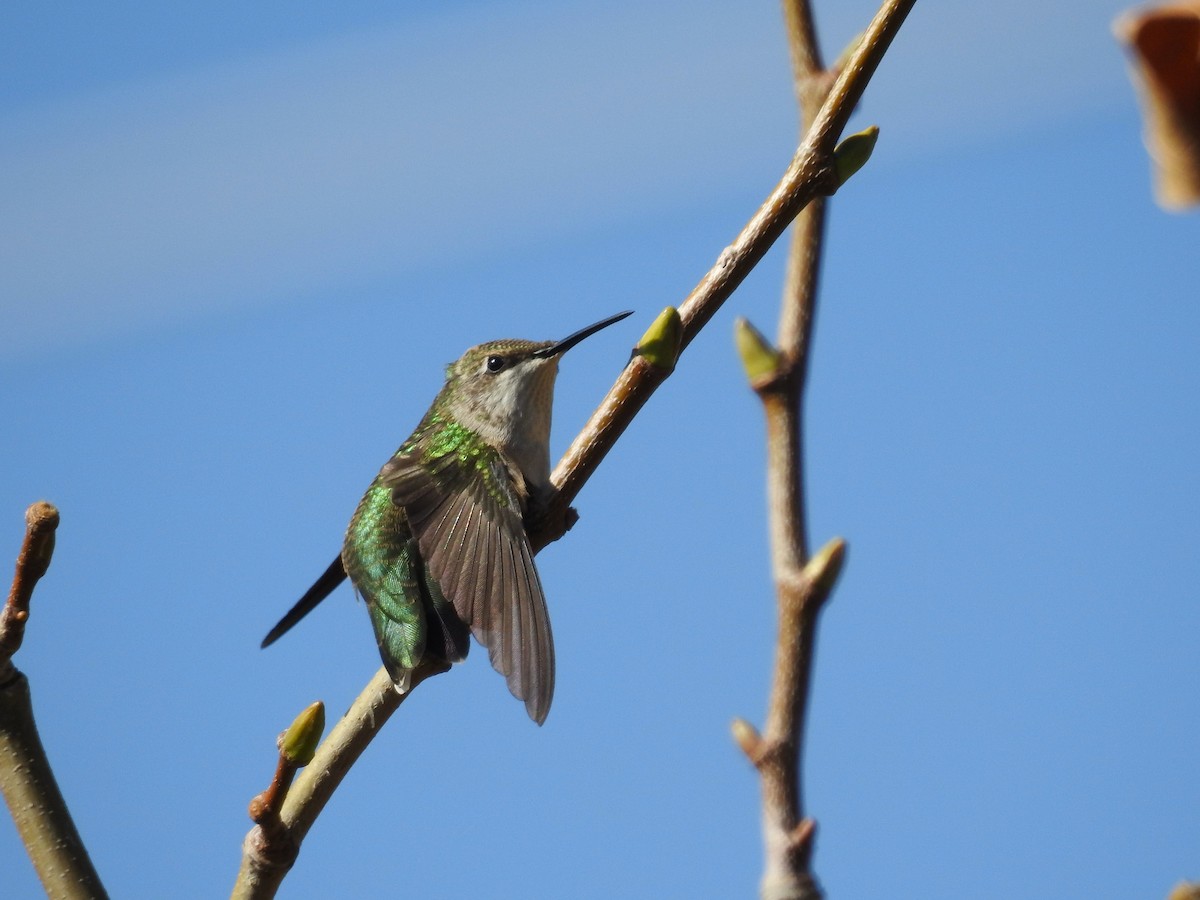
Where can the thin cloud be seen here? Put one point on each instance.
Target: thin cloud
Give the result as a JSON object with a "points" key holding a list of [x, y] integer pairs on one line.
{"points": [[284, 174]]}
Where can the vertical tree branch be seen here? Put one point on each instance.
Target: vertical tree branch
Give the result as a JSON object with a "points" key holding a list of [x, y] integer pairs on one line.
{"points": [[803, 47], [783, 405], [26, 780], [802, 584], [810, 83]]}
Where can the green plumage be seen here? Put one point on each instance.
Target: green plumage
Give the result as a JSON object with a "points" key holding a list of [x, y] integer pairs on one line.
{"points": [[383, 562], [437, 546], [410, 615]]}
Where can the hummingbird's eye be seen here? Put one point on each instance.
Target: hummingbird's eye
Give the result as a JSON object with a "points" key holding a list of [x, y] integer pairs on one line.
{"points": [[495, 363]]}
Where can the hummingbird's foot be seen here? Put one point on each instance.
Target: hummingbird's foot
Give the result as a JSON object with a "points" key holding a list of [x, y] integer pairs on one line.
{"points": [[548, 523]]}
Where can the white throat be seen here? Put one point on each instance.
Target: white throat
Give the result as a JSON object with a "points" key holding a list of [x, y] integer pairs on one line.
{"points": [[512, 413]]}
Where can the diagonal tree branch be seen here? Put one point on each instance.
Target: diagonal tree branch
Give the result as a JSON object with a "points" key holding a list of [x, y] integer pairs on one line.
{"points": [[268, 853], [787, 835], [809, 175]]}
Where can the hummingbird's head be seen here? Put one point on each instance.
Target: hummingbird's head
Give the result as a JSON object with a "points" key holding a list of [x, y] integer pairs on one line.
{"points": [[504, 390]]}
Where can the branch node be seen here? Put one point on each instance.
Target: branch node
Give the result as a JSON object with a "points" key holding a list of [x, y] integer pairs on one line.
{"points": [[822, 571], [298, 744], [762, 362], [271, 845], [663, 340], [259, 809], [801, 837], [853, 152], [270, 848], [748, 739]]}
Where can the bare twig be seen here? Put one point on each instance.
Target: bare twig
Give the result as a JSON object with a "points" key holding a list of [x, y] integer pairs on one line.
{"points": [[802, 584], [41, 521], [26, 780], [809, 175], [271, 847], [804, 49], [345, 743]]}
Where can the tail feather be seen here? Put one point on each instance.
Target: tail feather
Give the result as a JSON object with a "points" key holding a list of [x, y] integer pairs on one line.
{"points": [[321, 589]]}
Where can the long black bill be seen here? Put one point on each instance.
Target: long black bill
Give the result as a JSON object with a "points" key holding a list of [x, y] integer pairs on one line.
{"points": [[567, 343]]}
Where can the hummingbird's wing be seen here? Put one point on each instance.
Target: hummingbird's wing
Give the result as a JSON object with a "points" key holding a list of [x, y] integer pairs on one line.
{"points": [[466, 516]]}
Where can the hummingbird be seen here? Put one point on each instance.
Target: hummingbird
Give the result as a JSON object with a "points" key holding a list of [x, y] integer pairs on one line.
{"points": [[437, 547]]}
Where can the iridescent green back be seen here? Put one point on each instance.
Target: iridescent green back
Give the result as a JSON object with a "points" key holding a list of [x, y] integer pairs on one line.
{"points": [[381, 558]]}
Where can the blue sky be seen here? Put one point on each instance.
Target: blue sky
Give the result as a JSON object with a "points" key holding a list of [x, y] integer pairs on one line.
{"points": [[240, 244]]}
